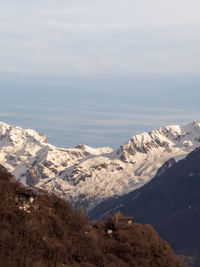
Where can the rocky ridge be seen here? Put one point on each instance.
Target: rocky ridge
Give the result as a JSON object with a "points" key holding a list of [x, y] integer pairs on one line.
{"points": [[86, 176]]}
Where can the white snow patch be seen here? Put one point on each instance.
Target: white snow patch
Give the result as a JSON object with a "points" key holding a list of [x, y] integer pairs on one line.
{"points": [[86, 175]]}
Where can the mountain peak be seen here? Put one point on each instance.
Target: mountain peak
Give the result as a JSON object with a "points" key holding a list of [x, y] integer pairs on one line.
{"points": [[87, 175], [196, 123]]}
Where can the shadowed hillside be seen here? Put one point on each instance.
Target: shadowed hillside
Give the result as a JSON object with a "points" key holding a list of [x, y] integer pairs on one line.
{"points": [[171, 203], [42, 230]]}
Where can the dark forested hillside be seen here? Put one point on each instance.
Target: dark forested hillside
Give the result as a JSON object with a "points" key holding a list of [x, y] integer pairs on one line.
{"points": [[42, 230], [171, 203]]}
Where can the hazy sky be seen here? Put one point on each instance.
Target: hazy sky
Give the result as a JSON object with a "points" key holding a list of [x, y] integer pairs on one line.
{"points": [[97, 72], [100, 38]]}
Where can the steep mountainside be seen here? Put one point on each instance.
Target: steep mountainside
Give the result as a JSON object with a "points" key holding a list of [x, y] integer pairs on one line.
{"points": [[171, 203], [42, 230], [86, 175]]}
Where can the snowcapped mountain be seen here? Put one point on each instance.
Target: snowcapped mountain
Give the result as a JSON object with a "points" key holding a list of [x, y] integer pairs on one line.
{"points": [[170, 203], [85, 175]]}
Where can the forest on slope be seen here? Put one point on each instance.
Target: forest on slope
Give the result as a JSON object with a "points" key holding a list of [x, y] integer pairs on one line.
{"points": [[38, 229], [170, 203]]}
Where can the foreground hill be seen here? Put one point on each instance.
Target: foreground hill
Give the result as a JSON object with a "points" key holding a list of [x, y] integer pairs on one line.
{"points": [[171, 203], [42, 230], [87, 176]]}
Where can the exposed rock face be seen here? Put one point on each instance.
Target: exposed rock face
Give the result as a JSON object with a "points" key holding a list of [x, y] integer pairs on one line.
{"points": [[3, 169], [34, 175], [168, 164], [85, 175]]}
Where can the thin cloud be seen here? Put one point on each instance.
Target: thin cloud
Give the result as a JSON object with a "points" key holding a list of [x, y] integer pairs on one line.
{"points": [[100, 38]]}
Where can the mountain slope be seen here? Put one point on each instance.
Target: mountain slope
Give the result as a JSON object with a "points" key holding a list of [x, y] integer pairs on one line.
{"points": [[171, 203], [85, 175], [48, 233]]}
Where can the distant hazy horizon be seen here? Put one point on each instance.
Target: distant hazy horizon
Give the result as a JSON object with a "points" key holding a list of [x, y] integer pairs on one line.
{"points": [[106, 117], [99, 72]]}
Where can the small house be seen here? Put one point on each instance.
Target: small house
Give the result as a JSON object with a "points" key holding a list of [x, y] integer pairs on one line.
{"points": [[24, 201], [126, 220], [119, 218], [23, 197]]}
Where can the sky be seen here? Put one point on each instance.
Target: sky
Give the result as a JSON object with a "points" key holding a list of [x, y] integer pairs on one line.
{"points": [[98, 72]]}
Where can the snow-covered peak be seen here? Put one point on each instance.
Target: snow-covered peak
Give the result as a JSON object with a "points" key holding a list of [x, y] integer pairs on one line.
{"points": [[167, 137], [196, 123], [19, 136], [94, 151], [88, 175]]}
